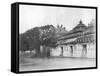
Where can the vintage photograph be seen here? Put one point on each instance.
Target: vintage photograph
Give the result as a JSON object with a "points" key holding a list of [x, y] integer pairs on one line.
{"points": [[53, 37]]}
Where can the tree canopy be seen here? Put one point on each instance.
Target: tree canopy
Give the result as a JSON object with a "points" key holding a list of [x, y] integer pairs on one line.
{"points": [[33, 38]]}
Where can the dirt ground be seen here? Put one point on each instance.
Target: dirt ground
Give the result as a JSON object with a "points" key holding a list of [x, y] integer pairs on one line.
{"points": [[31, 64]]}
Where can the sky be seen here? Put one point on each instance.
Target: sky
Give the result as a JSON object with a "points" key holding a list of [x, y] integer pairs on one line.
{"points": [[32, 16]]}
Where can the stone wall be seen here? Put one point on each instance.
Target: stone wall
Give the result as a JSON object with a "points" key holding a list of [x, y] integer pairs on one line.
{"points": [[78, 50]]}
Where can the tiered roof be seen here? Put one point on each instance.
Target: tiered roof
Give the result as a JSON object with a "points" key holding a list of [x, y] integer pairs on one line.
{"points": [[79, 34]]}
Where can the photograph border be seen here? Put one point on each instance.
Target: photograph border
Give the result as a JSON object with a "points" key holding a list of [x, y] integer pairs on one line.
{"points": [[15, 36]]}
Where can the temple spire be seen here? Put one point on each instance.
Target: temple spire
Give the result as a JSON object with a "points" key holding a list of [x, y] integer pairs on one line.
{"points": [[80, 22]]}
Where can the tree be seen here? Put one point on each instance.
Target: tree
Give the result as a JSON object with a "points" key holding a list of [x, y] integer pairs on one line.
{"points": [[47, 38], [23, 43], [29, 40], [33, 40], [35, 37]]}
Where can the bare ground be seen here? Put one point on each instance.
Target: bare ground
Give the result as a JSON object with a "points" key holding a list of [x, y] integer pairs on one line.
{"points": [[32, 64]]}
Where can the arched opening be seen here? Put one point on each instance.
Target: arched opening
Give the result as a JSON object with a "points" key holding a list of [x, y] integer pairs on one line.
{"points": [[84, 50], [71, 47], [62, 51]]}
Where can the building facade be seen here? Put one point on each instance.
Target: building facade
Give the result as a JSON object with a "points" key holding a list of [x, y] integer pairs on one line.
{"points": [[79, 42]]}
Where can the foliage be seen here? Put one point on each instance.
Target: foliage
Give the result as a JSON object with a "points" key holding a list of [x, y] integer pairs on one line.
{"points": [[23, 43], [33, 38]]}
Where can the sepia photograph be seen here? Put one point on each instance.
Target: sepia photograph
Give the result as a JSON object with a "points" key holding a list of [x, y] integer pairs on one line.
{"points": [[53, 37]]}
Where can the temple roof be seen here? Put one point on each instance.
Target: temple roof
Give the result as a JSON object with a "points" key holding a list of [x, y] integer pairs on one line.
{"points": [[80, 26], [79, 31]]}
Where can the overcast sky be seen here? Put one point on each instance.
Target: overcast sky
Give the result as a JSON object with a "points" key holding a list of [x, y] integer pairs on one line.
{"points": [[31, 16]]}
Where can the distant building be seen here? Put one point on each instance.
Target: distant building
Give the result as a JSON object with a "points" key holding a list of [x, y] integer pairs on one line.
{"points": [[79, 42]]}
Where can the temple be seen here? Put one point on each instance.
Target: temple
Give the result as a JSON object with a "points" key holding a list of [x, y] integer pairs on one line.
{"points": [[78, 42]]}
